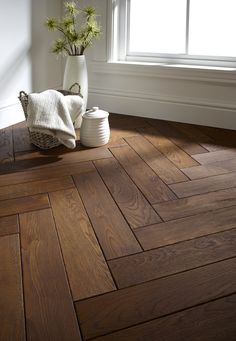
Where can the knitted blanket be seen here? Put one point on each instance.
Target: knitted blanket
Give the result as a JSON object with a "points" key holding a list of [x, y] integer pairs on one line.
{"points": [[52, 113]]}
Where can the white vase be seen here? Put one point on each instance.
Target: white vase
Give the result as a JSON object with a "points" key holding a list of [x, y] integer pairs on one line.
{"points": [[76, 72]]}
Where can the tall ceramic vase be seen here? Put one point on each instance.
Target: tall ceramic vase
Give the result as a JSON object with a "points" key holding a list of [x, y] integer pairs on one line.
{"points": [[76, 72]]}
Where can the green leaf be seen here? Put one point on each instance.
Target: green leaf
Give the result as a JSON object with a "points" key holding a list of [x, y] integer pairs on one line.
{"points": [[51, 23], [78, 28], [89, 11], [71, 8], [59, 46]]}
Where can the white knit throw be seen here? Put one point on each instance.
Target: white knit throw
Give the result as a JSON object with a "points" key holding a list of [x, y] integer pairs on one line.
{"points": [[52, 113]]}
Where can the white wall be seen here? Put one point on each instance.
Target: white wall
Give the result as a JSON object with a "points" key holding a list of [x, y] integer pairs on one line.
{"points": [[25, 61], [206, 97]]}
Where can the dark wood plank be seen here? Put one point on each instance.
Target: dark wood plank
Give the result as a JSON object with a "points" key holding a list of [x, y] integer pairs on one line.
{"points": [[113, 233], [6, 146], [25, 204], [179, 138], [136, 209], [35, 187], [156, 298], [210, 321], [172, 259], [222, 137], [44, 173], [197, 204], [127, 122], [196, 134], [57, 157], [11, 292], [186, 228], [164, 168], [86, 267], [123, 131], [200, 186], [219, 155], [168, 148], [143, 176], [210, 169], [21, 138], [9, 225], [116, 140], [49, 308]]}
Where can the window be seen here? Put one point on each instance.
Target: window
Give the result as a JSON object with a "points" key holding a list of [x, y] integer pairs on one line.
{"points": [[176, 31]]}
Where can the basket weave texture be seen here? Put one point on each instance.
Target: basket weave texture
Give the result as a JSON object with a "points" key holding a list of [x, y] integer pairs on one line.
{"points": [[41, 140]]}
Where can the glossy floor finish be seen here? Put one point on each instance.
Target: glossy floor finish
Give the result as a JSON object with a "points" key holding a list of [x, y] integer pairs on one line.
{"points": [[135, 240]]}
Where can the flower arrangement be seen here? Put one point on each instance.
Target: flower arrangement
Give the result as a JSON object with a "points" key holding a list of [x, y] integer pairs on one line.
{"points": [[78, 28]]}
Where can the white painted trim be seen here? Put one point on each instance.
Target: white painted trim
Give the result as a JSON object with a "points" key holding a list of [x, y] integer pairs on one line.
{"points": [[166, 72], [162, 98], [110, 23], [10, 115], [8, 103], [123, 22], [166, 110]]}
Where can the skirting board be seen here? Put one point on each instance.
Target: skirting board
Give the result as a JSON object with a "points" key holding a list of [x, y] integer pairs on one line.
{"points": [[10, 115], [179, 112]]}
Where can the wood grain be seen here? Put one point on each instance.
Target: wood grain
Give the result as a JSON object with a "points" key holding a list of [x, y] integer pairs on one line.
{"points": [[155, 299], [178, 137], [200, 186], [127, 122], [148, 182], [113, 233], [6, 146], [122, 131], [86, 267], [164, 168], [210, 169], [168, 148], [9, 225], [25, 204], [172, 259], [11, 292], [217, 321], [222, 137], [197, 204], [48, 306], [102, 250], [186, 228], [196, 134], [58, 157], [219, 155], [21, 138], [35, 187], [44, 173], [136, 209]]}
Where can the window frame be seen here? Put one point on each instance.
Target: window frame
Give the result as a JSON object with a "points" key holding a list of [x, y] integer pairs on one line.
{"points": [[120, 10]]}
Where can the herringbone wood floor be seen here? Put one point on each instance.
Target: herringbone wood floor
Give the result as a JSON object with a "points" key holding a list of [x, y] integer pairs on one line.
{"points": [[132, 241]]}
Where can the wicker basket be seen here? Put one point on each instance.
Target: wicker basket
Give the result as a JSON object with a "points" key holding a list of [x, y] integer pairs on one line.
{"points": [[42, 140]]}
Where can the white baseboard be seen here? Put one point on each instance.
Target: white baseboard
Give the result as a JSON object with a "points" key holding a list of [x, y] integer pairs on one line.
{"points": [[143, 107], [201, 114], [11, 114]]}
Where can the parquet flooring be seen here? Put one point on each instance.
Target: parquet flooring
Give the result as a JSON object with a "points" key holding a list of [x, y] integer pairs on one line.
{"points": [[135, 240]]}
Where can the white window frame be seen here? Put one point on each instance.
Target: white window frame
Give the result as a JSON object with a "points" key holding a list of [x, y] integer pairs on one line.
{"points": [[119, 47]]}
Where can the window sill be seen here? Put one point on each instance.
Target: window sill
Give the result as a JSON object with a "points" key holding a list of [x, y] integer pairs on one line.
{"points": [[168, 71], [174, 65]]}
